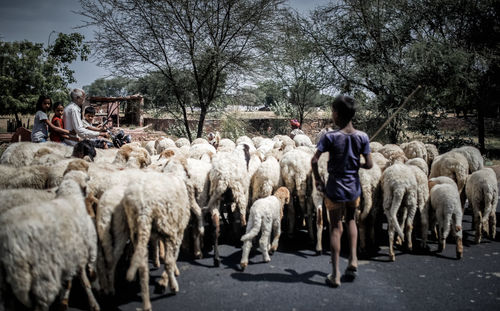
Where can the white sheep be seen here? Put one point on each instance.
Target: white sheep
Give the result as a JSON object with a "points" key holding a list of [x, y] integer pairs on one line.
{"points": [[22, 153], [318, 200], [133, 156], [198, 141], [380, 160], [473, 156], [226, 145], [14, 197], [158, 204], [302, 140], [43, 245], [445, 201], [432, 153], [266, 179], [150, 147], [399, 187], [296, 172], [482, 192], [375, 146], [419, 168], [393, 153], [369, 206], [420, 163], [265, 215], [415, 149], [163, 143], [453, 165], [197, 151], [182, 142]]}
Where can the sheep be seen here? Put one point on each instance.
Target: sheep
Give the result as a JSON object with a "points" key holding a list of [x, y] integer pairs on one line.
{"points": [[150, 147], [287, 143], [453, 165], [163, 143], [393, 153], [113, 233], [371, 196], [415, 149], [195, 172], [182, 142], [302, 140], [197, 151], [14, 197], [133, 156], [399, 187], [482, 191], [265, 215], [245, 140], [432, 153], [473, 156], [266, 179], [419, 168], [106, 155], [318, 198], [296, 172], [320, 134], [230, 171], [226, 145], [199, 140], [375, 146], [34, 176], [420, 163], [380, 160], [158, 204], [22, 153], [44, 245], [445, 200], [257, 141]]}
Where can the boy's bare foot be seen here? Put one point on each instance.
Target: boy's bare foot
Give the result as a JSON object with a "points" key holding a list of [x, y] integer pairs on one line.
{"points": [[333, 281]]}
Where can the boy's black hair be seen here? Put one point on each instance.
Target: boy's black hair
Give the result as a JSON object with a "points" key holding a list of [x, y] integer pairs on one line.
{"points": [[41, 99], [345, 106], [90, 110], [57, 104]]}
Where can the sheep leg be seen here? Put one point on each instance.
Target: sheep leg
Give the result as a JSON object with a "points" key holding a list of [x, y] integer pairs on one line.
{"points": [[197, 238], [65, 295], [245, 251], [479, 225], [391, 230], [144, 280], [88, 290], [319, 229], [277, 234], [391, 208], [424, 219], [168, 275], [412, 203], [216, 232], [264, 239], [291, 217], [155, 249], [493, 224]]}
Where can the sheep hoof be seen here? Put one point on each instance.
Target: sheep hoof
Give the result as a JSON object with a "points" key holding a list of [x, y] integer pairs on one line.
{"points": [[392, 257], [216, 262], [160, 288], [318, 252], [198, 255], [243, 265]]}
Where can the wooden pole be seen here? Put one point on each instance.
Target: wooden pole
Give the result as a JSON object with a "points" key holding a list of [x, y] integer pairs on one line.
{"points": [[395, 113]]}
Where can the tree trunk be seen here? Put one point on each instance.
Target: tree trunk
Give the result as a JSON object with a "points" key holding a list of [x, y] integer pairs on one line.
{"points": [[201, 121]]}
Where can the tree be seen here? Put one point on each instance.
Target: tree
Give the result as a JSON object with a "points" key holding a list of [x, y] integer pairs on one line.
{"points": [[28, 70], [292, 62], [115, 87], [212, 41], [386, 48]]}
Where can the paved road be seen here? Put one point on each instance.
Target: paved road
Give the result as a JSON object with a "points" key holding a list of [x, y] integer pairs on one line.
{"points": [[294, 280]]}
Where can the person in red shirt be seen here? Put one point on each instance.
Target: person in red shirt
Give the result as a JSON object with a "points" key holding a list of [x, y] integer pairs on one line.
{"points": [[57, 121]]}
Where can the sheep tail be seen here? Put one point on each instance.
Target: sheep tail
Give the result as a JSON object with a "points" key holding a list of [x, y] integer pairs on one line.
{"points": [[255, 228], [194, 207], [143, 230]]}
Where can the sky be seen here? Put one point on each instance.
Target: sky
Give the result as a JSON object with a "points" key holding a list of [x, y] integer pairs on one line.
{"points": [[35, 20]]}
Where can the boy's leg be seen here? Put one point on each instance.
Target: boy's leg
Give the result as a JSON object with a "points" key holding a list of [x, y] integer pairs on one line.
{"points": [[335, 211], [352, 231]]}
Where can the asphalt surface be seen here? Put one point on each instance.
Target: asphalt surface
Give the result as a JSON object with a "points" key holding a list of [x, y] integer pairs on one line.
{"points": [[295, 280]]}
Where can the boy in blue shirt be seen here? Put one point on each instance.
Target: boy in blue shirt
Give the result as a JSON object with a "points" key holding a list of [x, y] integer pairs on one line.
{"points": [[343, 189]]}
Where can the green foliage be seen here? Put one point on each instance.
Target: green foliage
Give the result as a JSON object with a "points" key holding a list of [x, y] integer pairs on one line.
{"points": [[115, 87], [29, 70], [232, 127]]}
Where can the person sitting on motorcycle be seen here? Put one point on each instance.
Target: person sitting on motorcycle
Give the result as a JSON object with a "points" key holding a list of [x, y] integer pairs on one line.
{"points": [[88, 118]]}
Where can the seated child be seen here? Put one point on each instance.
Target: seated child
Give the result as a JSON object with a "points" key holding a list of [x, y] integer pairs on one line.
{"points": [[41, 125], [57, 121], [88, 117]]}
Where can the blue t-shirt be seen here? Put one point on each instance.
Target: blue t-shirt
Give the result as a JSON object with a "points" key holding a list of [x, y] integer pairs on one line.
{"points": [[343, 165]]}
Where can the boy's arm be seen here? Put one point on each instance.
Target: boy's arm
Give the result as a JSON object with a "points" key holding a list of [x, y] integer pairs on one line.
{"points": [[320, 184], [368, 161]]}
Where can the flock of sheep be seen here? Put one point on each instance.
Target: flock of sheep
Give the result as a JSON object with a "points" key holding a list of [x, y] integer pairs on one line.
{"points": [[63, 216]]}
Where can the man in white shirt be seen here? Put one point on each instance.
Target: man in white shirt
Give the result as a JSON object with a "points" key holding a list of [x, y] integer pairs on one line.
{"points": [[73, 118]]}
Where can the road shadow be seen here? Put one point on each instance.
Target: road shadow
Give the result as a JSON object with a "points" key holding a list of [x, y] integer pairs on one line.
{"points": [[290, 277]]}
